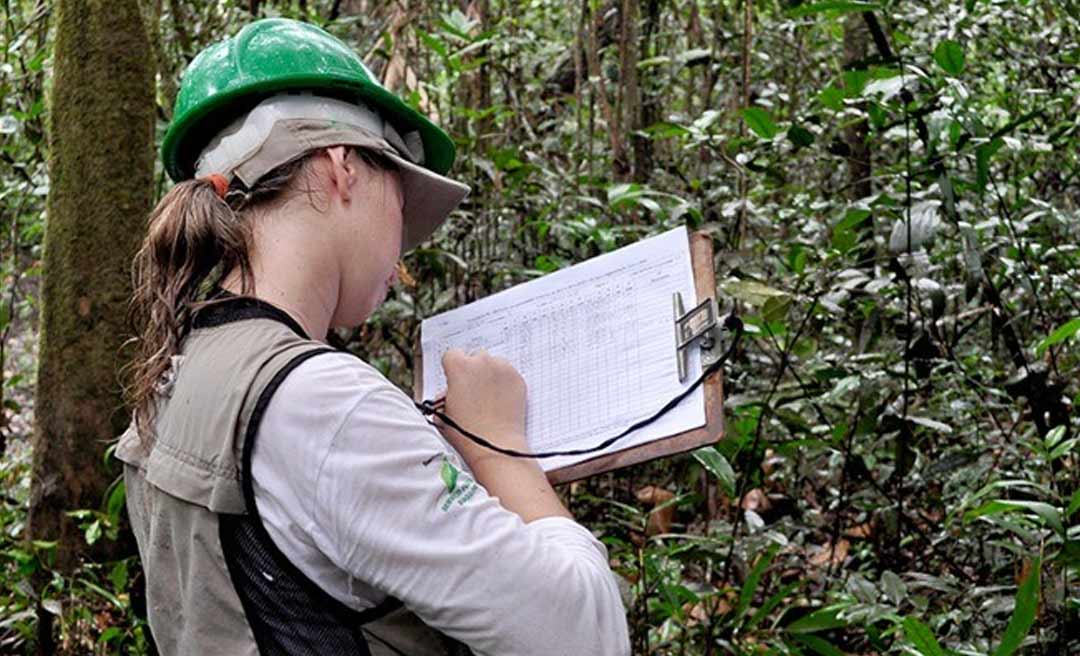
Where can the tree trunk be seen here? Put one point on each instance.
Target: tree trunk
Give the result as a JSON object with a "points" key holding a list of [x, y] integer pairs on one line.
{"points": [[856, 42], [627, 106], [101, 174], [598, 87], [648, 110], [860, 183]]}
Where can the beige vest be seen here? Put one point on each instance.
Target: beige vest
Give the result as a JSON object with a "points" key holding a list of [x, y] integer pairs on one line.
{"points": [[190, 474]]}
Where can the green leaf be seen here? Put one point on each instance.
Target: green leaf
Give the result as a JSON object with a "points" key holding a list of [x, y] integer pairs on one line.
{"points": [[800, 136], [665, 129], [717, 465], [819, 646], [93, 532], [822, 619], [116, 502], [1064, 448], [834, 6], [110, 634], [922, 637], [433, 43], [118, 576], [1074, 504], [1069, 556], [773, 601], [752, 292], [458, 24], [1027, 601], [832, 98], [983, 155], [760, 122], [852, 218], [893, 586], [746, 594], [775, 308], [1064, 332], [949, 55], [1049, 514], [449, 475], [845, 234], [1054, 435], [105, 594]]}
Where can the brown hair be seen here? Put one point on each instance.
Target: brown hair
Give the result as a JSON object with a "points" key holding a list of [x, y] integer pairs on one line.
{"points": [[194, 240]]}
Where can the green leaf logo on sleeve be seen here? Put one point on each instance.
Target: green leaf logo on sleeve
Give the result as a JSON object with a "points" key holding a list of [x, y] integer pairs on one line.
{"points": [[449, 476], [459, 485]]}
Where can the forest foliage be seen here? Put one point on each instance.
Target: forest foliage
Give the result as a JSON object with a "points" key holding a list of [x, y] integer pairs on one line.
{"points": [[893, 190]]}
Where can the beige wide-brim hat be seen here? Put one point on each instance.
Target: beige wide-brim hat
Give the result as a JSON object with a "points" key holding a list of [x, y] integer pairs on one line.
{"points": [[284, 127]]}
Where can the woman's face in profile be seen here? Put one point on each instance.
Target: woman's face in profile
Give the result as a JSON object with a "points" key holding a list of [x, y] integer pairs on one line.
{"points": [[369, 240]]}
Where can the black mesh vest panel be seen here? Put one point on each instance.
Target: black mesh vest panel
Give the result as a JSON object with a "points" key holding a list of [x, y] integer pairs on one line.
{"points": [[289, 615]]}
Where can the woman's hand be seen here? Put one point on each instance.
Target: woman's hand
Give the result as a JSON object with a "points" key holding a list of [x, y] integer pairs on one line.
{"points": [[485, 395]]}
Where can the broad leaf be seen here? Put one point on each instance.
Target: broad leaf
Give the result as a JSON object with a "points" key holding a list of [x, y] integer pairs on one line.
{"points": [[949, 55], [1063, 332], [1027, 602], [718, 466], [922, 637], [746, 594], [1049, 514], [983, 154], [752, 292], [1074, 504], [760, 122], [819, 646], [800, 136], [822, 619]]}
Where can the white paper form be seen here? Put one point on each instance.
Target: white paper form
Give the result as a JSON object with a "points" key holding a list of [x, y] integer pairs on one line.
{"points": [[595, 344]]}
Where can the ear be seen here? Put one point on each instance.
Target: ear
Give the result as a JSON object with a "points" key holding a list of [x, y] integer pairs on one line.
{"points": [[342, 172]]}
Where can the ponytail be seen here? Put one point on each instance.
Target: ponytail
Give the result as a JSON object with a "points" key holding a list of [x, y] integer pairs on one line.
{"points": [[196, 236], [194, 239]]}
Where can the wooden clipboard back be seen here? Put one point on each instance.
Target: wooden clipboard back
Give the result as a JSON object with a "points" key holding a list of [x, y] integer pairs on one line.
{"points": [[701, 257]]}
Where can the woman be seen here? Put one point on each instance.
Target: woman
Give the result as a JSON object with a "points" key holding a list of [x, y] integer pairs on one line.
{"points": [[283, 494]]}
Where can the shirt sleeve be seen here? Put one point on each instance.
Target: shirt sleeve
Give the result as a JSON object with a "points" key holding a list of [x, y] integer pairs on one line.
{"points": [[394, 506]]}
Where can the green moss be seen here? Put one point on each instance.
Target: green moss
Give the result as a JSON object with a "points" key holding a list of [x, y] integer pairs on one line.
{"points": [[101, 174]]}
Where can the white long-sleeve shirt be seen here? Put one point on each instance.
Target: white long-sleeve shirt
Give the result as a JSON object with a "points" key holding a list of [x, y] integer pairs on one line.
{"points": [[369, 500]]}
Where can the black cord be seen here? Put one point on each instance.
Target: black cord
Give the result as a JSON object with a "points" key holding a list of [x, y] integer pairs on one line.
{"points": [[732, 323]]}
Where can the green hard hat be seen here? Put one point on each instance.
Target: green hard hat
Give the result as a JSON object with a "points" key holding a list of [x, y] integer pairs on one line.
{"points": [[276, 55]]}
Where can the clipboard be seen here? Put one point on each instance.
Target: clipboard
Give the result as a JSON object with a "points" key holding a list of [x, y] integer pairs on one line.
{"points": [[701, 257]]}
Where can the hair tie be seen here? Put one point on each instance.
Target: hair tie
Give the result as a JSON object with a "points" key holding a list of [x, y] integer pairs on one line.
{"points": [[221, 185]]}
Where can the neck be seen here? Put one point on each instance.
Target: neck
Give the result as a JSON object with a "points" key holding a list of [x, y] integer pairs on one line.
{"points": [[293, 271]]}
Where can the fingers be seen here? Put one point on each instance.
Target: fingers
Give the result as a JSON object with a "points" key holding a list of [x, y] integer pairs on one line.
{"points": [[452, 359], [459, 365], [456, 358]]}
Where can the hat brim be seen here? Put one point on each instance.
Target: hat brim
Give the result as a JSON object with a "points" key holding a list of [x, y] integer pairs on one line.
{"points": [[282, 128], [429, 199]]}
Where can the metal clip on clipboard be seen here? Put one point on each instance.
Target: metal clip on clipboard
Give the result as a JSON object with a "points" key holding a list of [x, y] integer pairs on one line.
{"points": [[701, 324]]}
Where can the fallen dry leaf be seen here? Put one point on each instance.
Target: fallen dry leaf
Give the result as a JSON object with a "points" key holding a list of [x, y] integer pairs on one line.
{"points": [[659, 520], [825, 554], [860, 531], [757, 501], [700, 612]]}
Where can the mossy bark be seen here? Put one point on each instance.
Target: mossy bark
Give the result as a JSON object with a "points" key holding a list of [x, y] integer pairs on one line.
{"points": [[101, 175]]}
